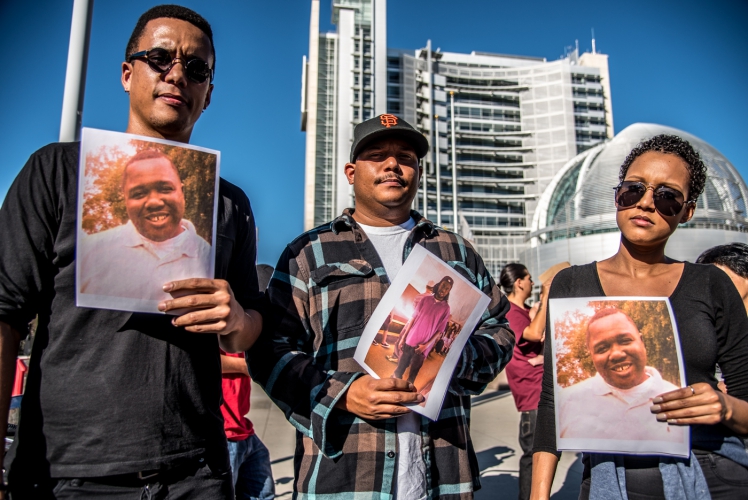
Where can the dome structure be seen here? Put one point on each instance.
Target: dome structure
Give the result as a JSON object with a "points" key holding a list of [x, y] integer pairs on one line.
{"points": [[575, 220]]}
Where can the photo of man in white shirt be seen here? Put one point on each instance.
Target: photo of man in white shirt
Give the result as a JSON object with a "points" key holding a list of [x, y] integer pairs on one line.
{"points": [[614, 403], [155, 246]]}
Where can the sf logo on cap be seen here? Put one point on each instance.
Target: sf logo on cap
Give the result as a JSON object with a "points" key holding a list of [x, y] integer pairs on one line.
{"points": [[388, 120]]}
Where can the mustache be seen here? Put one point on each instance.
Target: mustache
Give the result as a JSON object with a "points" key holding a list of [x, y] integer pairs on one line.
{"points": [[390, 177]]}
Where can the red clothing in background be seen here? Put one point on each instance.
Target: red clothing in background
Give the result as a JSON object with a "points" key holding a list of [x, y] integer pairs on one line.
{"points": [[524, 379], [236, 389]]}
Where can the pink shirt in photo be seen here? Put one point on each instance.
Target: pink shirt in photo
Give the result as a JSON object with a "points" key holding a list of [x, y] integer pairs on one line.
{"points": [[430, 316]]}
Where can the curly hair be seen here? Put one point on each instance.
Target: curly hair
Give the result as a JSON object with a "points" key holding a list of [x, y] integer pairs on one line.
{"points": [[672, 144], [174, 12], [733, 256]]}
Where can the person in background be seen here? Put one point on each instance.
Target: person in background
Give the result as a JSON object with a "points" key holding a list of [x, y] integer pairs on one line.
{"points": [[732, 259], [525, 371], [249, 458]]}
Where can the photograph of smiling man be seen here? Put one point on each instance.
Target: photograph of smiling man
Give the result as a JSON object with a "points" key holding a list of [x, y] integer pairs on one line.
{"points": [[612, 358], [146, 217]]}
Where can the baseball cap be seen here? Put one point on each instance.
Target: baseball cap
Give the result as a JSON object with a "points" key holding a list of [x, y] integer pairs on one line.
{"points": [[383, 126]]}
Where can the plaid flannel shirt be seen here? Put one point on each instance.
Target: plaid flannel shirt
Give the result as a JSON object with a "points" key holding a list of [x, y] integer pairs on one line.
{"points": [[325, 288]]}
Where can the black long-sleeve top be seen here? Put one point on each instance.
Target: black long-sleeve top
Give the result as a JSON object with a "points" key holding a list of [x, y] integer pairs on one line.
{"points": [[712, 325]]}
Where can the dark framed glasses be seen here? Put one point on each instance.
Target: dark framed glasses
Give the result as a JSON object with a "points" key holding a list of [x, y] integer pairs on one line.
{"points": [[667, 201], [160, 61]]}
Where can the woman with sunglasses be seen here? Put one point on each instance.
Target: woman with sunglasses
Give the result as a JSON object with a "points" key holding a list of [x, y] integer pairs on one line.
{"points": [[661, 180]]}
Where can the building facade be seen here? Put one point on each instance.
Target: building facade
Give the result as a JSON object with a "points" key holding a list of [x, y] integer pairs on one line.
{"points": [[343, 83], [500, 126]]}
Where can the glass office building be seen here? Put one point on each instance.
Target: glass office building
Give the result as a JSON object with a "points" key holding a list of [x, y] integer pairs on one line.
{"points": [[343, 83], [500, 126]]}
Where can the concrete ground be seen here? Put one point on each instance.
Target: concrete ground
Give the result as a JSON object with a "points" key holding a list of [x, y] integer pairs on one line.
{"points": [[494, 428]]}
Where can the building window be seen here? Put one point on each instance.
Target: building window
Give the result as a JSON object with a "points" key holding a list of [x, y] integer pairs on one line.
{"points": [[367, 114], [355, 114], [356, 81]]}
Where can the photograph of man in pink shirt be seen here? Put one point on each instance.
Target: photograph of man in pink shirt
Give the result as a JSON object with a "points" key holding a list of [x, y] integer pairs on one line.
{"points": [[421, 333]]}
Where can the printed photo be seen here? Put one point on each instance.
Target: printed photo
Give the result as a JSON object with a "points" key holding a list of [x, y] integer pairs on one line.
{"points": [[612, 356], [146, 216], [419, 328]]}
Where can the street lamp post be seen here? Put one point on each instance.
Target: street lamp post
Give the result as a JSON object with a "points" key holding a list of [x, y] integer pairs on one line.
{"points": [[75, 77], [454, 163], [438, 176]]}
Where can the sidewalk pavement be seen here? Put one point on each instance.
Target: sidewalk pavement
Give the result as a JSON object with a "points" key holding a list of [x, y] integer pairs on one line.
{"points": [[494, 428]]}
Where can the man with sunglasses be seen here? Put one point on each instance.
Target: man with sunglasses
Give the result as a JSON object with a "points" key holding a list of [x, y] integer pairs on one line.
{"points": [[118, 404]]}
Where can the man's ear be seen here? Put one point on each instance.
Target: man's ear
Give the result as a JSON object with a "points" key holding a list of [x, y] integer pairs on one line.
{"points": [[350, 170], [207, 97], [126, 76]]}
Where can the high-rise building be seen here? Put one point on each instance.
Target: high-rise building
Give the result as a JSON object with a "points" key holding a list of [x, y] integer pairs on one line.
{"points": [[500, 126], [343, 83]]}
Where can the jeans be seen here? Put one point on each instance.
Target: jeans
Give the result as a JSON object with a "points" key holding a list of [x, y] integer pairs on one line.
{"points": [[526, 434], [250, 467], [727, 480], [409, 358]]}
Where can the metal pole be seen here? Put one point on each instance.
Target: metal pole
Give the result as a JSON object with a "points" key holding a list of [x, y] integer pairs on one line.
{"points": [[75, 77], [431, 130], [454, 163], [438, 177]]}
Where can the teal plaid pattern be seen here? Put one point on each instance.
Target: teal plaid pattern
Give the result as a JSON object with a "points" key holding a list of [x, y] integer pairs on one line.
{"points": [[325, 288]]}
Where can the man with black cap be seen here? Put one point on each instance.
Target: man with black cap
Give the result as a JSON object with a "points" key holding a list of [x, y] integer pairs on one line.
{"points": [[355, 435]]}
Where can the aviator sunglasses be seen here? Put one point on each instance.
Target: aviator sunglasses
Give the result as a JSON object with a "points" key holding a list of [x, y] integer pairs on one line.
{"points": [[667, 201], [160, 61]]}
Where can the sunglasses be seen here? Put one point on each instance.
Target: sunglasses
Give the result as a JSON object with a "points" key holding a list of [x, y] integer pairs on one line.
{"points": [[667, 201], [160, 61]]}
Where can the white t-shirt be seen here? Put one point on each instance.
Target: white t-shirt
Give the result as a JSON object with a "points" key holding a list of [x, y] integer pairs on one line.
{"points": [[389, 243]]}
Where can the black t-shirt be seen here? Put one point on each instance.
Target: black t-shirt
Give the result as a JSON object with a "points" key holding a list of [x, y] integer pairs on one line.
{"points": [[108, 392], [712, 325]]}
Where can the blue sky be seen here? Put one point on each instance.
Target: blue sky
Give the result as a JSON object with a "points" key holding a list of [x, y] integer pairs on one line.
{"points": [[682, 64]]}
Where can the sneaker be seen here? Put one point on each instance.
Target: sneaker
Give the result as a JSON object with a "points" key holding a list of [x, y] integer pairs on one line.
{"points": [[375, 343], [385, 345], [393, 358]]}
